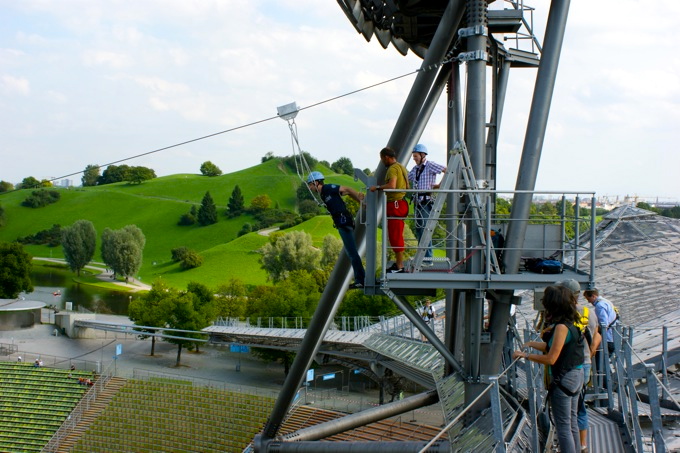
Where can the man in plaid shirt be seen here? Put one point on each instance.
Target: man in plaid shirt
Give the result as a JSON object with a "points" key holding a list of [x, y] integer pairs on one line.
{"points": [[424, 178]]}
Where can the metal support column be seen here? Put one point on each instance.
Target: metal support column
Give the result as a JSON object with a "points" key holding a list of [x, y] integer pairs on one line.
{"points": [[475, 128], [533, 140]]}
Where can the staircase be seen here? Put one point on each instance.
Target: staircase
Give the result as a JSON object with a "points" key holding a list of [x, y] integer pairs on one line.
{"points": [[90, 415]]}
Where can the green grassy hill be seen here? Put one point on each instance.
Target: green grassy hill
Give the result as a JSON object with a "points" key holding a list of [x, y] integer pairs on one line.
{"points": [[155, 206]]}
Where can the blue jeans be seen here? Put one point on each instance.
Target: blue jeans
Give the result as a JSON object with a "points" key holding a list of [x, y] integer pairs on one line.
{"points": [[582, 415], [347, 236], [564, 409], [422, 214]]}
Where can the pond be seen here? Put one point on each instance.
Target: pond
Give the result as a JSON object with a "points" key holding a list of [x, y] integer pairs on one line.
{"points": [[55, 286]]}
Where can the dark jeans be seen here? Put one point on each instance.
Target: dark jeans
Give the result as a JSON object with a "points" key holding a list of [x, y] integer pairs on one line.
{"points": [[422, 214], [347, 236]]}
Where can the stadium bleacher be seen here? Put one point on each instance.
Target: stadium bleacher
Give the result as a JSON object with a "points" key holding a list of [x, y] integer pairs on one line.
{"points": [[34, 402]]}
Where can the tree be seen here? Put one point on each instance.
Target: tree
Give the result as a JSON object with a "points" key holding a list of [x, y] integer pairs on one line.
{"points": [[6, 186], [210, 169], [303, 193], [146, 310], [90, 175], [297, 296], [343, 166], [122, 249], [114, 173], [15, 270], [3, 219], [204, 304], [180, 312], [503, 208], [137, 175], [78, 242], [236, 203], [268, 156], [330, 250], [230, 300], [260, 203], [29, 183], [207, 213], [308, 207], [289, 252]]}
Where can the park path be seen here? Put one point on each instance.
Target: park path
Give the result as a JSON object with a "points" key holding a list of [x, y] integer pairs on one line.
{"points": [[105, 275]]}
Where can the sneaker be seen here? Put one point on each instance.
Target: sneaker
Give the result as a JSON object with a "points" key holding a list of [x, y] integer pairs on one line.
{"points": [[392, 268], [356, 285], [427, 262], [396, 271]]}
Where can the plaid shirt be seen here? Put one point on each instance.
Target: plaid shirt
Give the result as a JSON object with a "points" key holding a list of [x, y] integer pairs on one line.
{"points": [[428, 176]]}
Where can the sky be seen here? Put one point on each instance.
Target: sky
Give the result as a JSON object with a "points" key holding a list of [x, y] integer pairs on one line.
{"points": [[93, 82]]}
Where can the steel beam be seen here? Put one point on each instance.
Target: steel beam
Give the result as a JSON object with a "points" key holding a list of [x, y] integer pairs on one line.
{"points": [[362, 418]]}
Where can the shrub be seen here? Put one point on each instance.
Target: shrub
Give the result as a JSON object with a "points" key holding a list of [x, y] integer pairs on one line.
{"points": [[260, 203], [51, 237], [179, 253], [186, 220], [245, 229], [191, 260], [308, 207], [40, 198]]}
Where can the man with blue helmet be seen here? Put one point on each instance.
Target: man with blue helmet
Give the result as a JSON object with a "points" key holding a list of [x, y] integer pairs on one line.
{"points": [[424, 178], [331, 196]]}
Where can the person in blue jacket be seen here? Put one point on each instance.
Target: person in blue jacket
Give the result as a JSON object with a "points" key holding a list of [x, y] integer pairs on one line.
{"points": [[331, 196]]}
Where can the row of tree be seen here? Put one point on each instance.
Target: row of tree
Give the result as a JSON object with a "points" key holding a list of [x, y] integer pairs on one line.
{"points": [[115, 173], [121, 250]]}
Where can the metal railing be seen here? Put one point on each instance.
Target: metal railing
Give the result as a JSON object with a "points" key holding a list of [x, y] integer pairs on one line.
{"points": [[76, 415], [614, 386], [564, 237]]}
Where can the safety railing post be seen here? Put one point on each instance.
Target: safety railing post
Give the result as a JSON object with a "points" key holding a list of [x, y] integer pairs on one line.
{"points": [[655, 409], [620, 374], [635, 419], [664, 360], [497, 415]]}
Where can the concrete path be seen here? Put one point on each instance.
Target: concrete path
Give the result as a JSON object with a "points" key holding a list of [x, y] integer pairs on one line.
{"points": [[104, 274]]}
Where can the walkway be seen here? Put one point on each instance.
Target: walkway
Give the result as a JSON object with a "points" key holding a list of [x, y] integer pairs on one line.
{"points": [[105, 275]]}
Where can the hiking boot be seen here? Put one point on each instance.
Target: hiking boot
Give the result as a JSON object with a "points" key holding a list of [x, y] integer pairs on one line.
{"points": [[356, 285]]}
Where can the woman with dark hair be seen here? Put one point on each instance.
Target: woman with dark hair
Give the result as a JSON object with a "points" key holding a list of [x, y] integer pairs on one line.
{"points": [[563, 351]]}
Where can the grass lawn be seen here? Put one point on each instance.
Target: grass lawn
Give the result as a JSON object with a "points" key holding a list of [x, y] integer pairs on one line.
{"points": [[155, 207]]}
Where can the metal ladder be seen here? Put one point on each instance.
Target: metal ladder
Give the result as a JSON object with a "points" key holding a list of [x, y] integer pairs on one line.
{"points": [[458, 162]]}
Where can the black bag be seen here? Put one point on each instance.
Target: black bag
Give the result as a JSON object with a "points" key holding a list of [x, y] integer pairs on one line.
{"points": [[543, 266]]}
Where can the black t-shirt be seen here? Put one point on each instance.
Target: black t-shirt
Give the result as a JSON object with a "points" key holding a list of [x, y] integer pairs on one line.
{"points": [[330, 195]]}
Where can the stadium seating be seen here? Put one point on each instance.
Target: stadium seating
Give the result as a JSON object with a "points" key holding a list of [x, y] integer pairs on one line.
{"points": [[160, 415], [34, 402]]}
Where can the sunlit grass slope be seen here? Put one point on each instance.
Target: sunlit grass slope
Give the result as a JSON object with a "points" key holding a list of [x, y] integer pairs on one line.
{"points": [[155, 206]]}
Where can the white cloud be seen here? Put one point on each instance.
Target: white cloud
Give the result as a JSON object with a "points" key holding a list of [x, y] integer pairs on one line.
{"points": [[110, 59], [117, 78], [14, 85]]}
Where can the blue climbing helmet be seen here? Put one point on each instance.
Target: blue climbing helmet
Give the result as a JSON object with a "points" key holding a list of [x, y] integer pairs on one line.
{"points": [[420, 148], [315, 176]]}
